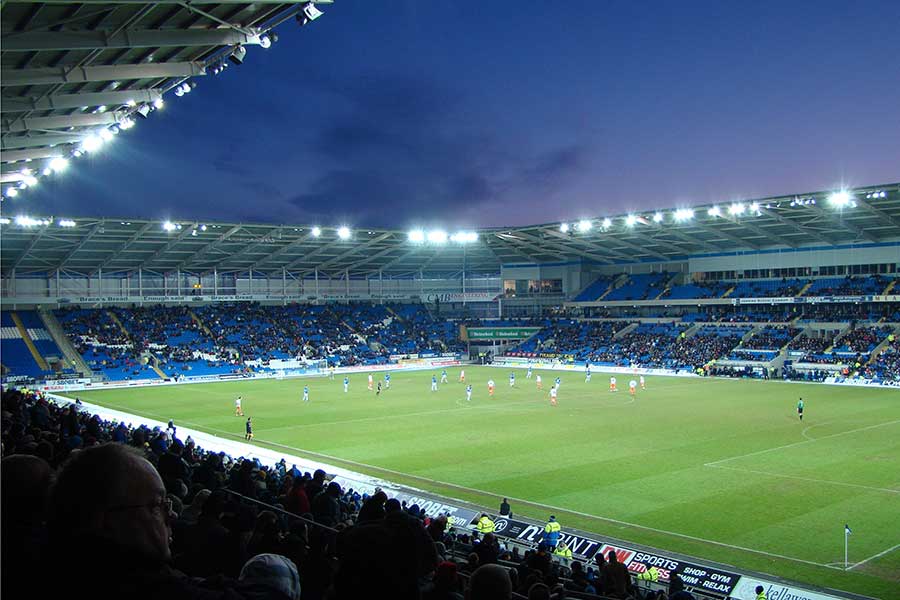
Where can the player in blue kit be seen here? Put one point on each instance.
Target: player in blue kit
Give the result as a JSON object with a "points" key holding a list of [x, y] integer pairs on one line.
{"points": [[306, 393], [387, 381], [434, 383], [346, 384]]}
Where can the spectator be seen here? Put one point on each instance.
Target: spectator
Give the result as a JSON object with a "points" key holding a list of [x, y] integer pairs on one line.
{"points": [[490, 582], [109, 515]]}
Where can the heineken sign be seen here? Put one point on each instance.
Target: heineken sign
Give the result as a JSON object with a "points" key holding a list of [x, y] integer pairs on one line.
{"points": [[499, 333]]}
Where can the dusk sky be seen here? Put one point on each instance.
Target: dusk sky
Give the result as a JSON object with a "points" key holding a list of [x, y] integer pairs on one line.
{"points": [[467, 114]]}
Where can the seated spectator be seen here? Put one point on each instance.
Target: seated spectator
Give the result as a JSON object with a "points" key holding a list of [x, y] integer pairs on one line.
{"points": [[490, 582], [109, 516]]}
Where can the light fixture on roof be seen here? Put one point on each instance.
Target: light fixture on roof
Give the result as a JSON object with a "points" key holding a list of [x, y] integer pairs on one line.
{"points": [[106, 134], [713, 211], [607, 223], [437, 236], [840, 199], [169, 226], [754, 207], [92, 143], [158, 104], [584, 225], [309, 14], [142, 111], [66, 223], [417, 236], [316, 231], [657, 217], [267, 39], [203, 228], [47, 171], [631, 220], [237, 55], [4, 221], [343, 232], [684, 214], [126, 123], [11, 192], [464, 237], [736, 209], [30, 180], [58, 164], [564, 227]]}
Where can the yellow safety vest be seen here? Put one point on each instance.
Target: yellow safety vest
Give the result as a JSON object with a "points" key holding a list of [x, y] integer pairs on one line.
{"points": [[651, 574], [551, 527], [563, 551], [485, 525]]}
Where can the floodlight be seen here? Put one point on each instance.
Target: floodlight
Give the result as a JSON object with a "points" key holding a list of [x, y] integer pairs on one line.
{"points": [[343, 232], [684, 214], [131, 102], [169, 226], [12, 192], [237, 56], [584, 225], [126, 123], [265, 41], [309, 14], [839, 199], [66, 223], [316, 231], [30, 180], [754, 207], [91, 143], [158, 104], [179, 92], [737, 208], [607, 223], [59, 164], [417, 236], [564, 227], [47, 171], [4, 221], [437, 236], [203, 228], [142, 111], [713, 211], [657, 217], [630, 220], [464, 237], [106, 134]]}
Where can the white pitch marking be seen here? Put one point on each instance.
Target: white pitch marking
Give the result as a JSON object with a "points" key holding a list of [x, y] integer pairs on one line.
{"points": [[855, 485], [717, 462], [862, 562]]}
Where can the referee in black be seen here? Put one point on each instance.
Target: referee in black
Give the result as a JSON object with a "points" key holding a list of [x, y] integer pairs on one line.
{"points": [[249, 427]]}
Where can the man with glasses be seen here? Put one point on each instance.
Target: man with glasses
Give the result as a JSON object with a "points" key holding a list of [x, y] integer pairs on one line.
{"points": [[110, 525]]}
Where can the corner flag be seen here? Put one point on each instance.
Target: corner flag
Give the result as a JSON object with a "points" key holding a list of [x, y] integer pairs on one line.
{"points": [[847, 529]]}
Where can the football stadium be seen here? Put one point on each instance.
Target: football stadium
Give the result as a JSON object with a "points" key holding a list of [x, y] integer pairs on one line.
{"points": [[697, 400]]}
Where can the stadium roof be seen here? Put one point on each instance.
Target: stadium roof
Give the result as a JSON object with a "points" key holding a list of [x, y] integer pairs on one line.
{"points": [[89, 245], [73, 71]]}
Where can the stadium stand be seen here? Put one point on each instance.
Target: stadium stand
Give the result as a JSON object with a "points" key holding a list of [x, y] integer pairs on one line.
{"points": [[640, 287]]}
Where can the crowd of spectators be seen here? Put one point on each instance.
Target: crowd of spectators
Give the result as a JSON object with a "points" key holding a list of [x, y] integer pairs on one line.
{"points": [[224, 338], [143, 514], [812, 344], [771, 338], [862, 340]]}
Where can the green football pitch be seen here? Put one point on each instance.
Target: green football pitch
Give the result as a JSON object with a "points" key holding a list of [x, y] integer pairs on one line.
{"points": [[717, 469]]}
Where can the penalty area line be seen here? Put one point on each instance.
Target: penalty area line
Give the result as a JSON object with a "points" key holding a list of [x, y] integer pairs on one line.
{"points": [[806, 441]]}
